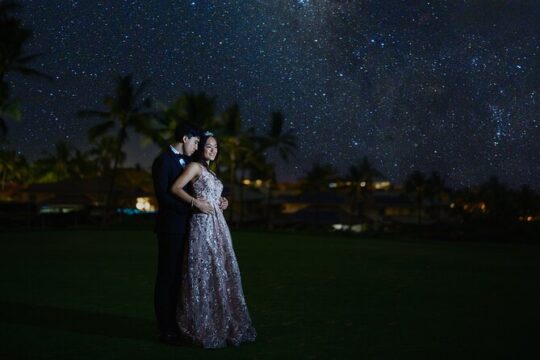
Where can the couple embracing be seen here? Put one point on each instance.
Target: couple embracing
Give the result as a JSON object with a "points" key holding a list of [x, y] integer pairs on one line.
{"points": [[198, 295]]}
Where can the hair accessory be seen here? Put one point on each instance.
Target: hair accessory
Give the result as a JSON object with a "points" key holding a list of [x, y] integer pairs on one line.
{"points": [[208, 133]]}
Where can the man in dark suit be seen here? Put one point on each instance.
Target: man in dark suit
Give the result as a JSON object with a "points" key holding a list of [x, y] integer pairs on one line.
{"points": [[171, 229]]}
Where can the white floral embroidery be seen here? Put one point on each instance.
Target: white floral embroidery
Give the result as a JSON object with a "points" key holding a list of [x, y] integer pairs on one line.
{"points": [[212, 310]]}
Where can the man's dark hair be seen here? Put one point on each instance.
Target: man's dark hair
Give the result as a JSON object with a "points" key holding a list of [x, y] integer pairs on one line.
{"points": [[186, 129]]}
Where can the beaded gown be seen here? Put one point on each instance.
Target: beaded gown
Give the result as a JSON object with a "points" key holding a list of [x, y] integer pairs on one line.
{"points": [[212, 310]]}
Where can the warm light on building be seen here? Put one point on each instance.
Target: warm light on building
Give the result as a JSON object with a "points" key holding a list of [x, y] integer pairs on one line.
{"points": [[254, 183], [472, 207], [143, 204], [379, 185], [291, 208]]}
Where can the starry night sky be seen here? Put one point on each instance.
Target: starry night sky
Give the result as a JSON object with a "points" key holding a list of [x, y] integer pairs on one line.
{"points": [[452, 86]]}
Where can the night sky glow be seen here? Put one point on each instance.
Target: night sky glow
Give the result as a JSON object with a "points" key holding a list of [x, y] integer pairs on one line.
{"points": [[452, 85]]}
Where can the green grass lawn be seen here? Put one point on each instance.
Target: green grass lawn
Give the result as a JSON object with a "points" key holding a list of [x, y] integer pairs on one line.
{"points": [[88, 294]]}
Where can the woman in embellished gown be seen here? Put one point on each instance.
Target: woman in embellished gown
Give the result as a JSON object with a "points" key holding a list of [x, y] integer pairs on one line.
{"points": [[212, 310]]}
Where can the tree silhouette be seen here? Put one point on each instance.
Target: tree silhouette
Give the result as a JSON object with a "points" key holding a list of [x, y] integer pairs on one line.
{"points": [[434, 191], [193, 108], [283, 142], [81, 165], [528, 202], [234, 146], [498, 199], [416, 184], [126, 110], [55, 166], [318, 177], [280, 141], [13, 169], [103, 152], [361, 176], [13, 39]]}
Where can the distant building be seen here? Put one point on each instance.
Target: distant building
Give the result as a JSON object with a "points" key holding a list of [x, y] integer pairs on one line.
{"points": [[78, 194], [382, 207]]}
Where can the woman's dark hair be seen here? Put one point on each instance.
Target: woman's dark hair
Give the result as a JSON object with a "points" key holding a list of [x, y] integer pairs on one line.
{"points": [[199, 154]]}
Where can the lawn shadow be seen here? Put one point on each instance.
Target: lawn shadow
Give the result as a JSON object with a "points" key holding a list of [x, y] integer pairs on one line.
{"points": [[78, 321]]}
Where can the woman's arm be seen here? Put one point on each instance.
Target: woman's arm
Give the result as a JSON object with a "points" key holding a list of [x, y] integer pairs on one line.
{"points": [[191, 172]]}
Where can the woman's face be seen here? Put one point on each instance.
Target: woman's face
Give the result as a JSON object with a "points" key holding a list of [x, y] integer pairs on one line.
{"points": [[210, 149]]}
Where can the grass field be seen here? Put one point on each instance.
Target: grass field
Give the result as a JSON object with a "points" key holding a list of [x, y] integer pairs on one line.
{"points": [[87, 294]]}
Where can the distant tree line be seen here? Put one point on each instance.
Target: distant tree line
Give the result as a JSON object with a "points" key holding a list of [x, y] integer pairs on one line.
{"points": [[128, 109], [492, 201], [244, 152]]}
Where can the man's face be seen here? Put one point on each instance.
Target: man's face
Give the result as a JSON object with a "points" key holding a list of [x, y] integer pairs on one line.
{"points": [[190, 145]]}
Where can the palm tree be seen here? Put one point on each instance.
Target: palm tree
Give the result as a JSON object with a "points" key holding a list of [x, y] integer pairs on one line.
{"points": [[7, 165], [82, 166], [361, 176], [103, 153], [55, 166], [416, 185], [233, 142], [193, 108], [249, 158], [500, 207], [434, 191], [282, 142], [13, 169], [13, 39], [319, 176], [126, 110], [199, 109], [260, 168], [527, 201]]}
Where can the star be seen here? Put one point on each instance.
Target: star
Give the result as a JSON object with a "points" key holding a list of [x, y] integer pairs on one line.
{"points": [[447, 86]]}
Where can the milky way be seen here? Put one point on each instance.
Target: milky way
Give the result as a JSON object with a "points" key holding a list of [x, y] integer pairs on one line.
{"points": [[451, 86]]}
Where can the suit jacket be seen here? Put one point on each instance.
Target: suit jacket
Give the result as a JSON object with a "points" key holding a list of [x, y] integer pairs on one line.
{"points": [[173, 213]]}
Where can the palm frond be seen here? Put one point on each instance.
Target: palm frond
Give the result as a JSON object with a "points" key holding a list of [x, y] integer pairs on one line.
{"points": [[233, 120], [8, 6], [100, 129], [28, 58], [148, 102], [12, 109], [31, 72]]}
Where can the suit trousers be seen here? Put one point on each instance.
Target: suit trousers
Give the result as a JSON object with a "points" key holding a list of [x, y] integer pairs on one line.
{"points": [[168, 281]]}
